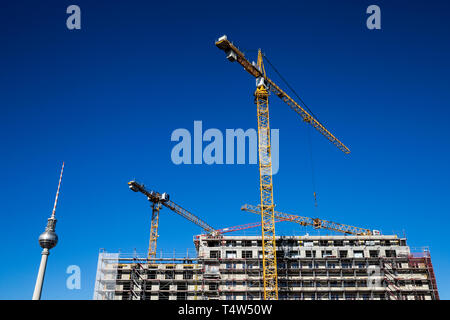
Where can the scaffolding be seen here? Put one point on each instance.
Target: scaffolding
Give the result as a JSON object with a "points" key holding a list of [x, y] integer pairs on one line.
{"points": [[230, 268], [105, 283], [422, 260]]}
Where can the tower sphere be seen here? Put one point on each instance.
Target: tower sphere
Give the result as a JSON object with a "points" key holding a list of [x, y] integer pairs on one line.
{"points": [[48, 239]]}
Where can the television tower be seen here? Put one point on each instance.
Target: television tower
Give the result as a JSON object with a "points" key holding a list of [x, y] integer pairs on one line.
{"points": [[47, 240]]}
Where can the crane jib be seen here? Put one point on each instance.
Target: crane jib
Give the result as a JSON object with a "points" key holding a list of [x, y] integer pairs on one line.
{"points": [[163, 199], [234, 54], [315, 222]]}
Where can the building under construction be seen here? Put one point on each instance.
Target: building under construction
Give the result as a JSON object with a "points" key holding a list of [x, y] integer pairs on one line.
{"points": [[309, 268], [359, 264]]}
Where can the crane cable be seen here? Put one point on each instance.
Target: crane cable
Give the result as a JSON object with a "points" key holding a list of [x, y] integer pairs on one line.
{"points": [[309, 133], [312, 169], [290, 87]]}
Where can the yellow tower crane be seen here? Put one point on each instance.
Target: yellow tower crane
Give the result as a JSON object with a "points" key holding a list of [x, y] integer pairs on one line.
{"points": [[263, 87], [157, 199]]}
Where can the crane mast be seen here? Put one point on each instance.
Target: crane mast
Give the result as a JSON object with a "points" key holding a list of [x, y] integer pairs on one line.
{"points": [[269, 250]]}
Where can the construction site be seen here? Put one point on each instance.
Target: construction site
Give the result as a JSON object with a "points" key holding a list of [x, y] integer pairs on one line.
{"points": [[353, 263]]}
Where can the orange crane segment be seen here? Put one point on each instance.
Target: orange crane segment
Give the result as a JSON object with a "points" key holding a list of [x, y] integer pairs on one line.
{"points": [[244, 226]]}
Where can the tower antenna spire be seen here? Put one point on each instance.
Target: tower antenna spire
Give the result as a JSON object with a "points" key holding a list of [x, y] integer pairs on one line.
{"points": [[57, 192]]}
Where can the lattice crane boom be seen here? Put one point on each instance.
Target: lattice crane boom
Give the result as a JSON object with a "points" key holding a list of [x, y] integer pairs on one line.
{"points": [[316, 222], [189, 216], [234, 54]]}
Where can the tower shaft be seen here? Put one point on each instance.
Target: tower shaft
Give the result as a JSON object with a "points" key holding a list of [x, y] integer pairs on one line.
{"points": [[40, 278]]}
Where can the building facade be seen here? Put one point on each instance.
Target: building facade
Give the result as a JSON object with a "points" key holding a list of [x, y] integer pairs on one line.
{"points": [[378, 267]]}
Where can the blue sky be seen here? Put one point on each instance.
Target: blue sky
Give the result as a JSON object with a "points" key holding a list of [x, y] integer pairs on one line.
{"points": [[105, 99]]}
